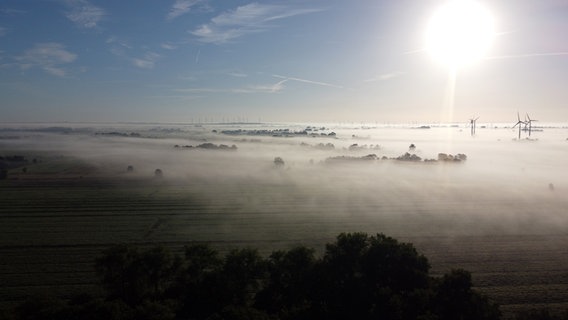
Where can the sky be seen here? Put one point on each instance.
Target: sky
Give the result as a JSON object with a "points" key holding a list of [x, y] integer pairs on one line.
{"points": [[272, 61]]}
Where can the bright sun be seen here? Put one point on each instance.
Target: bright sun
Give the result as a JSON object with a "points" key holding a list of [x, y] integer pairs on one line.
{"points": [[460, 33]]}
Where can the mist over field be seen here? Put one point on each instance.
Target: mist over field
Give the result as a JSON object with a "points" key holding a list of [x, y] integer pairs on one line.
{"points": [[504, 186], [495, 207]]}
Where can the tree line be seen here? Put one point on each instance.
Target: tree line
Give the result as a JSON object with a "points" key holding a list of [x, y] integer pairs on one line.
{"points": [[357, 277]]}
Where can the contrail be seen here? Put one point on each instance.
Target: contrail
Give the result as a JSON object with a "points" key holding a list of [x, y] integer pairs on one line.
{"points": [[308, 81], [197, 55], [528, 55], [414, 51], [277, 86]]}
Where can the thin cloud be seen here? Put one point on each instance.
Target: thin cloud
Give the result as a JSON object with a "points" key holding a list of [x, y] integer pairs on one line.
{"points": [[202, 90], [181, 7], [244, 20], [118, 47], [3, 31], [168, 46], [84, 14], [146, 62], [238, 74], [271, 88], [124, 50], [50, 57], [385, 76], [12, 12], [319, 83]]}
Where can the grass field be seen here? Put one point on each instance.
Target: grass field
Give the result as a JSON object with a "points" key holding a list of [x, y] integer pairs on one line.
{"points": [[59, 215], [52, 230]]}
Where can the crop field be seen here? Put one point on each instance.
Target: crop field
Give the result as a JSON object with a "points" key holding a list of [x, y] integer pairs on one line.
{"points": [[502, 222]]}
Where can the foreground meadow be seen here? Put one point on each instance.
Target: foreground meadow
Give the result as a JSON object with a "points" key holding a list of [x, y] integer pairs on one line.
{"points": [[500, 214]]}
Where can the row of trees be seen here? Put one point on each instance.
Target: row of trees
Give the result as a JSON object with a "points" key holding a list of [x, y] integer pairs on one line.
{"points": [[358, 277]]}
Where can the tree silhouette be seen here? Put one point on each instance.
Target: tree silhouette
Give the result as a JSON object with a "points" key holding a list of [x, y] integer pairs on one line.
{"points": [[358, 277], [159, 268], [278, 161], [455, 299], [241, 274], [289, 286], [133, 276], [368, 277], [198, 281]]}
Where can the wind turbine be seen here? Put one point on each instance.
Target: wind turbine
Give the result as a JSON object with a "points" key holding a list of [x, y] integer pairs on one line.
{"points": [[529, 123], [519, 123], [472, 124]]}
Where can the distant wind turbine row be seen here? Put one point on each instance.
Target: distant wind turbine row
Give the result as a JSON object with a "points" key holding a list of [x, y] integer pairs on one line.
{"points": [[525, 125]]}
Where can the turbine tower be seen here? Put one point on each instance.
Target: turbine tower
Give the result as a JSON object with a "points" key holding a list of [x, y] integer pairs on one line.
{"points": [[472, 125], [519, 123], [529, 123]]}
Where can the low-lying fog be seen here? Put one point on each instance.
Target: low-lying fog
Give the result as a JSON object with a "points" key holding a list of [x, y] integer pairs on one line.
{"points": [[516, 183]]}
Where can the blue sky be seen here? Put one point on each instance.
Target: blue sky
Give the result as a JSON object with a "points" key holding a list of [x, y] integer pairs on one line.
{"points": [[343, 61]]}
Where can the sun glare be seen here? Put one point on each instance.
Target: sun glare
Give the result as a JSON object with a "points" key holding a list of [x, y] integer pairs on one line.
{"points": [[460, 33]]}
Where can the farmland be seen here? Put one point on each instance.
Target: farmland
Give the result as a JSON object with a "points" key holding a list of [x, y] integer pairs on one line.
{"points": [[57, 216]]}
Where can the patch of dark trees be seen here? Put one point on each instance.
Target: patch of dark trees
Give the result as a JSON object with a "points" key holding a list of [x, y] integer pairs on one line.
{"points": [[279, 133], [11, 162], [357, 147], [319, 146], [209, 146], [357, 277], [371, 157], [119, 134], [406, 157]]}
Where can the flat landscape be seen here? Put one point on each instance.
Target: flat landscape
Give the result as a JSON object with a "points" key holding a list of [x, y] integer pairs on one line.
{"points": [[500, 214]]}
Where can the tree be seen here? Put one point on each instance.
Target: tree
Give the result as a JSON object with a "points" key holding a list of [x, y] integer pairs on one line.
{"points": [[241, 274], [133, 276], [119, 273], [278, 162], [288, 289], [211, 284], [455, 299], [197, 283], [158, 173], [159, 268], [372, 277]]}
